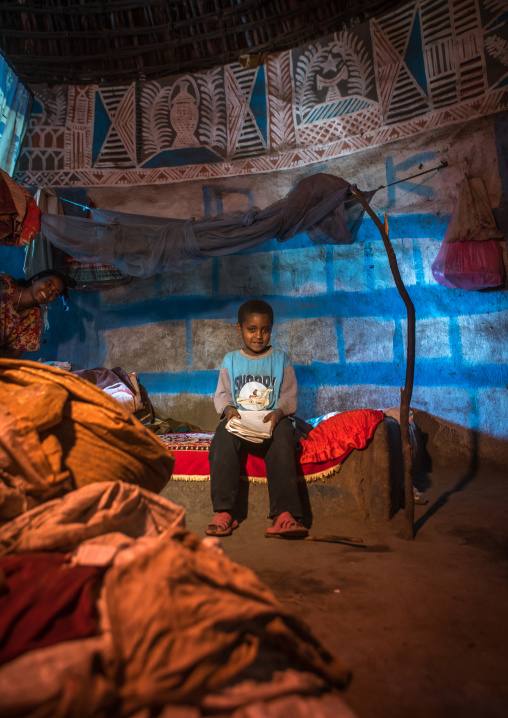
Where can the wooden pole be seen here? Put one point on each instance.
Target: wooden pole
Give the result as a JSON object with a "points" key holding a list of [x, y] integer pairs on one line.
{"points": [[406, 393]]}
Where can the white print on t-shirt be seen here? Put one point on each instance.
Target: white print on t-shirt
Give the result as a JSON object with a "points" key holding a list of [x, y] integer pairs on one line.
{"points": [[253, 396]]}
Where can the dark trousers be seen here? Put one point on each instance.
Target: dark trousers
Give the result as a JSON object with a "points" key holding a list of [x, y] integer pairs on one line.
{"points": [[279, 456]]}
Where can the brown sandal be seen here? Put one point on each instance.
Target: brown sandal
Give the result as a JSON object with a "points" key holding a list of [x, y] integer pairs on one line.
{"points": [[221, 525]]}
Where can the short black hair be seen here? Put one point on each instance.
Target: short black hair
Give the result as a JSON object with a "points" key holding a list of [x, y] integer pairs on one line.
{"points": [[254, 306], [69, 282]]}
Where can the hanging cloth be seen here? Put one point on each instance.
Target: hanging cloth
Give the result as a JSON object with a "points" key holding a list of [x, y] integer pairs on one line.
{"points": [[142, 246], [8, 213], [27, 220], [470, 256], [38, 255], [15, 107]]}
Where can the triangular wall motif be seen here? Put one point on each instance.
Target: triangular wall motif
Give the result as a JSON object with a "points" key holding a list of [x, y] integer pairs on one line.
{"points": [[118, 148], [112, 97], [236, 110], [407, 98], [258, 102], [101, 126], [397, 27], [414, 54], [401, 94], [388, 63], [244, 136], [125, 122], [251, 141], [245, 79]]}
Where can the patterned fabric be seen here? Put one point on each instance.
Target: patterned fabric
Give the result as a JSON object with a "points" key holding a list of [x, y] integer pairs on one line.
{"points": [[21, 331], [27, 217], [31, 223], [8, 213], [191, 461], [187, 442]]}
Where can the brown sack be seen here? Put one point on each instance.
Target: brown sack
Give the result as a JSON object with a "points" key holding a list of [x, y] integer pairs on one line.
{"points": [[61, 430]]}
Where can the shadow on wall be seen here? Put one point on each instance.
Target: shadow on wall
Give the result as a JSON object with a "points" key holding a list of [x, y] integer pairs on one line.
{"points": [[461, 484], [457, 447]]}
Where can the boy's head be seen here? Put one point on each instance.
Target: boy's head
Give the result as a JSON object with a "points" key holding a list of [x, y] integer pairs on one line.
{"points": [[255, 321]]}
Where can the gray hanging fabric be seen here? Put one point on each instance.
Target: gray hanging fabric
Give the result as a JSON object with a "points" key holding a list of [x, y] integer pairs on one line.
{"points": [[142, 246], [38, 253]]}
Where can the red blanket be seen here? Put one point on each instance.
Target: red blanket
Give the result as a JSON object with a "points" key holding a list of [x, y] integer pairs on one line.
{"points": [[45, 602]]}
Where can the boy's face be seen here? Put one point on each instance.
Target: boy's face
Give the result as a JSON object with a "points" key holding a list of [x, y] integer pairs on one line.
{"points": [[255, 331]]}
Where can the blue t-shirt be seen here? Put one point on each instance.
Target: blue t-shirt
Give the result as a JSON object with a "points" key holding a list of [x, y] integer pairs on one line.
{"points": [[255, 383]]}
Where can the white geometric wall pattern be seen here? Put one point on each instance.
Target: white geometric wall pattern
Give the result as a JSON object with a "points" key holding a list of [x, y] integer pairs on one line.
{"points": [[119, 147], [470, 61], [79, 126], [496, 42], [333, 80], [244, 136], [281, 126], [430, 64], [158, 134], [402, 96]]}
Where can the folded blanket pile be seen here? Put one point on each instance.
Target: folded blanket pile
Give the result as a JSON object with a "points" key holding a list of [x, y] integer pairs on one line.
{"points": [[178, 624]]}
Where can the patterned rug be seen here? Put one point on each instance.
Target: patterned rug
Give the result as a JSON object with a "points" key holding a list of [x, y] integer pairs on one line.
{"points": [[191, 461]]}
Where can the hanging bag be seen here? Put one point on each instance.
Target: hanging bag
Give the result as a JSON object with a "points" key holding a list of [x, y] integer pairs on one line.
{"points": [[471, 256]]}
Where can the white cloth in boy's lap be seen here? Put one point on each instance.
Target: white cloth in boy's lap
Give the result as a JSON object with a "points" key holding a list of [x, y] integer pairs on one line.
{"points": [[257, 383]]}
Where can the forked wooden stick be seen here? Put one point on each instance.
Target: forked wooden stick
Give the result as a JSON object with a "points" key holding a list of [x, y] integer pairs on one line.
{"points": [[406, 393]]}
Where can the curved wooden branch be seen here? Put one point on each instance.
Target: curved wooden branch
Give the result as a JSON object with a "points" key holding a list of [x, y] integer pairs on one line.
{"points": [[406, 393]]}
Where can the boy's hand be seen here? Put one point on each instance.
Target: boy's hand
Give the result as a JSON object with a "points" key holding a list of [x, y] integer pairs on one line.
{"points": [[273, 417], [230, 412]]}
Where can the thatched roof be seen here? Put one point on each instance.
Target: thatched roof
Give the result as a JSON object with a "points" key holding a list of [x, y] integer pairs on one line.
{"points": [[118, 41]]}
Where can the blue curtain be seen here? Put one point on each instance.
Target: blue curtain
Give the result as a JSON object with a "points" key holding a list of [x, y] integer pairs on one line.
{"points": [[15, 107]]}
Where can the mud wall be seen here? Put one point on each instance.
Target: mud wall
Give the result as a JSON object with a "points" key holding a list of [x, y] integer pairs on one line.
{"points": [[337, 311]]}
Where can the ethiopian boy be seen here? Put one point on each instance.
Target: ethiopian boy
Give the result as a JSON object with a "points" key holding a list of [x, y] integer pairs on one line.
{"points": [[254, 378]]}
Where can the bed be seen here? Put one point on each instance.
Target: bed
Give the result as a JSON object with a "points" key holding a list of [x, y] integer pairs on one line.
{"points": [[351, 461]]}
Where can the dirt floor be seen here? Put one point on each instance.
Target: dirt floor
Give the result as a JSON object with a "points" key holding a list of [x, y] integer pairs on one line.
{"points": [[424, 623]]}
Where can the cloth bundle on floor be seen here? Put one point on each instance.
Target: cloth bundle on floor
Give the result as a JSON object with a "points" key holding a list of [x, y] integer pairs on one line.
{"points": [[181, 626], [45, 602], [61, 432], [111, 508], [117, 383]]}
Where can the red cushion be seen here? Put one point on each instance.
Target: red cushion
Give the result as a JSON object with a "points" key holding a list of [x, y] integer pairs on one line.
{"points": [[337, 436]]}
